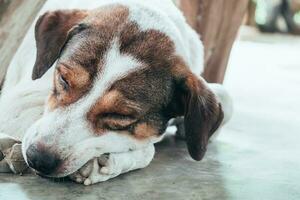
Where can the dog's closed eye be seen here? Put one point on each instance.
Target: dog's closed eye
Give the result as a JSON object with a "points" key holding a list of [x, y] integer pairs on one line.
{"points": [[64, 83], [117, 121], [63, 76]]}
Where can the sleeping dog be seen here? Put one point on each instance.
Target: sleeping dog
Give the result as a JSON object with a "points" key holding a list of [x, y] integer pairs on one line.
{"points": [[105, 84]]}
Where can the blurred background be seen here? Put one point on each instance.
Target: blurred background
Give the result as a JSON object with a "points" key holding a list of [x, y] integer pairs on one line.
{"points": [[273, 16]]}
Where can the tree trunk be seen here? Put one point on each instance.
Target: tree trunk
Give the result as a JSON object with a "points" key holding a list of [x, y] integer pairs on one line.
{"points": [[217, 21]]}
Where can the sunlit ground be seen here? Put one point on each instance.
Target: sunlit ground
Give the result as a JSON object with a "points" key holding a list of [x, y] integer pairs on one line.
{"points": [[263, 136]]}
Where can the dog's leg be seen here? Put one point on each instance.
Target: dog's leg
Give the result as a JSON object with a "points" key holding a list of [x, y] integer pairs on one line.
{"points": [[179, 123], [6, 143], [111, 165], [11, 159]]}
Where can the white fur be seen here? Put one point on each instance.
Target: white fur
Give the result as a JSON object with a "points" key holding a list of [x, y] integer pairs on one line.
{"points": [[171, 23], [119, 163], [22, 101], [165, 17], [66, 130], [116, 66]]}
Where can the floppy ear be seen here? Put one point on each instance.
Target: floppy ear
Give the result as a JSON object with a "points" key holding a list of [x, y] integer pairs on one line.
{"points": [[201, 110], [51, 33]]}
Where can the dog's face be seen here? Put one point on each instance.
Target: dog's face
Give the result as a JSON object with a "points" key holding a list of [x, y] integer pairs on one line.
{"points": [[115, 88]]}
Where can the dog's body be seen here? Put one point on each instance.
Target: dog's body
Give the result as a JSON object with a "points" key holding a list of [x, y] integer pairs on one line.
{"points": [[116, 84], [31, 96]]}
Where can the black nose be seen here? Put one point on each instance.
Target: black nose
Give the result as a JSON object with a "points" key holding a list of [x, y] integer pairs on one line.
{"points": [[42, 160]]}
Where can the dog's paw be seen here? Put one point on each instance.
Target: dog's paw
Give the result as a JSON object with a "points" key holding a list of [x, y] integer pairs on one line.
{"points": [[15, 160], [6, 142], [103, 170], [83, 173], [11, 159], [97, 170]]}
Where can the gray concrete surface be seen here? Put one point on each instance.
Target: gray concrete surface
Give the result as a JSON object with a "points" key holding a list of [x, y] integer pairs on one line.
{"points": [[255, 157]]}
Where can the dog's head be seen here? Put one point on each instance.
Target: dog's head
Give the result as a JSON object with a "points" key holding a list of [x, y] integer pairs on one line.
{"points": [[115, 88]]}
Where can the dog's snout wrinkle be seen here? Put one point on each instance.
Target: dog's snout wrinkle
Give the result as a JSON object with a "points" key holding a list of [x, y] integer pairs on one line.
{"points": [[42, 160]]}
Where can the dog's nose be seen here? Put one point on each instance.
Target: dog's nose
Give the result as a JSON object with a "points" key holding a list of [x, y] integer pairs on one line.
{"points": [[42, 160]]}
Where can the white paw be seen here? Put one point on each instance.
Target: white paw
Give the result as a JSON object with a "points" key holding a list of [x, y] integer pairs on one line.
{"points": [[111, 165], [97, 170]]}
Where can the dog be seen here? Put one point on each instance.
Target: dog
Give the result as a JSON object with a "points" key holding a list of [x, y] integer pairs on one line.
{"points": [[105, 84]]}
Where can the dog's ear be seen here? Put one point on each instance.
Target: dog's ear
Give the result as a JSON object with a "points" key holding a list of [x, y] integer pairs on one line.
{"points": [[201, 110], [52, 30]]}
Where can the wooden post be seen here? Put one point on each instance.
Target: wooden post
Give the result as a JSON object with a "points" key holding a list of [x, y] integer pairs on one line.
{"points": [[217, 21], [15, 19]]}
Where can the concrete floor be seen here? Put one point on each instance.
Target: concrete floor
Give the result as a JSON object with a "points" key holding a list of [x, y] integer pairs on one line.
{"points": [[257, 156]]}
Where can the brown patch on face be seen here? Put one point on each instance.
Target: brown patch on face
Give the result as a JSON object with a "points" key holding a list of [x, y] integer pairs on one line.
{"points": [[144, 130], [113, 112], [151, 46], [88, 48], [70, 84], [82, 57], [138, 104], [149, 88], [83, 54], [180, 70]]}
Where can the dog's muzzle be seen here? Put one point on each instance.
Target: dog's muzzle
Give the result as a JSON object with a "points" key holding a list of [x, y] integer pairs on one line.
{"points": [[42, 160]]}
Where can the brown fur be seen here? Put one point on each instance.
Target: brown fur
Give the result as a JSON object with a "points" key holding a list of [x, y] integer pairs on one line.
{"points": [[202, 115], [79, 83], [53, 27], [112, 111], [141, 103], [144, 130]]}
